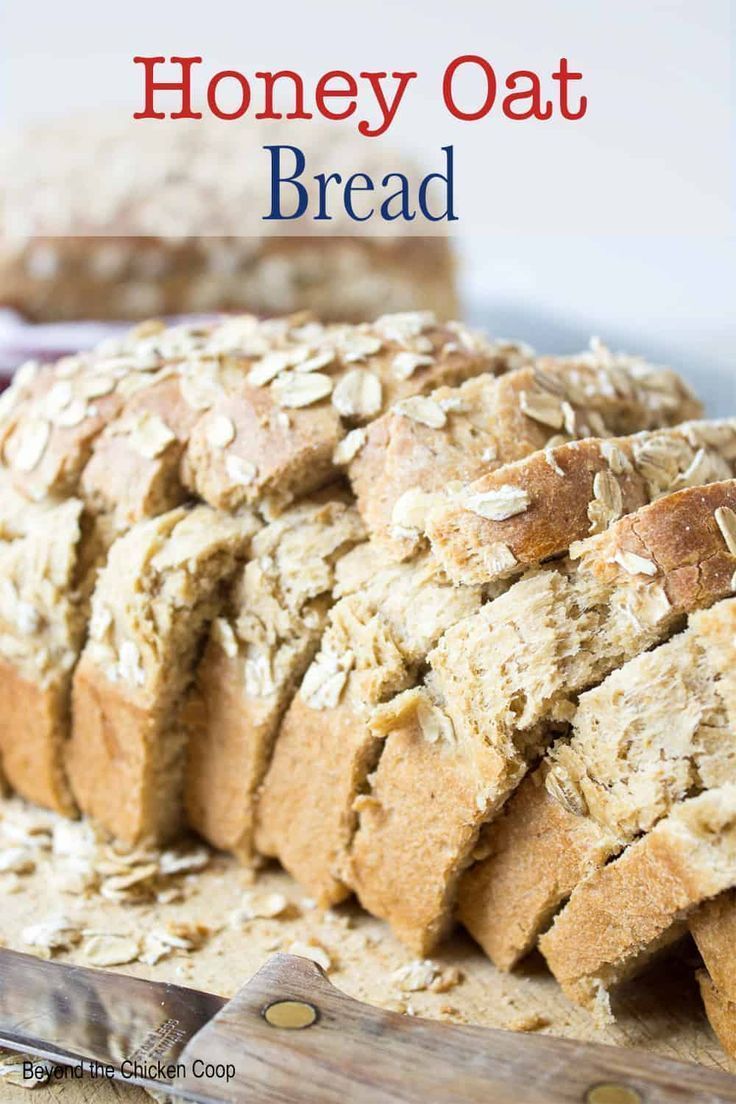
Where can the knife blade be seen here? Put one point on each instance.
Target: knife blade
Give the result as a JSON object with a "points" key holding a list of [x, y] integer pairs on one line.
{"points": [[290, 1037], [72, 1015]]}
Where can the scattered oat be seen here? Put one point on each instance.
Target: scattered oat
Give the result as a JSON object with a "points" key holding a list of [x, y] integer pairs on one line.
{"points": [[72, 415], [183, 862], [150, 436], [257, 906], [33, 439], [415, 976], [617, 460], [405, 364], [561, 787], [103, 949], [12, 1066], [542, 407], [312, 950], [58, 933]]}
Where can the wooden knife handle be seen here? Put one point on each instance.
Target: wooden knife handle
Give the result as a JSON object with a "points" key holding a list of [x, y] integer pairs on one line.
{"points": [[352, 1053]]}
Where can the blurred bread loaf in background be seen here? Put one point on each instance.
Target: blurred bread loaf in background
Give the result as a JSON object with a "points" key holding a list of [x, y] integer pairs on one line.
{"points": [[114, 219]]}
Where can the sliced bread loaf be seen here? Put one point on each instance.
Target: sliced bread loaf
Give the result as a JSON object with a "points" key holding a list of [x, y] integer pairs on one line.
{"points": [[503, 681], [162, 586], [660, 728], [258, 651]]}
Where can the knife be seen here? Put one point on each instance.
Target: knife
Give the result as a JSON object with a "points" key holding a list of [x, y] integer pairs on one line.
{"points": [[290, 1037]]}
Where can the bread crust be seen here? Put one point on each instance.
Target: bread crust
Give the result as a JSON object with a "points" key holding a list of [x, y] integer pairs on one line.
{"points": [[713, 928], [721, 1012], [490, 423], [562, 501]]}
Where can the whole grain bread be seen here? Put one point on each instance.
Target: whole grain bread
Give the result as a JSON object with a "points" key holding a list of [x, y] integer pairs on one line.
{"points": [[660, 728], [416, 450], [259, 648], [502, 682]]}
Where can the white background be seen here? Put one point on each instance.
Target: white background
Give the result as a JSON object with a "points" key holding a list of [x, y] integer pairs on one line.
{"points": [[621, 224]]}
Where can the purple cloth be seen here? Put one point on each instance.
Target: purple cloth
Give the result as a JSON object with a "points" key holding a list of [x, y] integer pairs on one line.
{"points": [[21, 340]]}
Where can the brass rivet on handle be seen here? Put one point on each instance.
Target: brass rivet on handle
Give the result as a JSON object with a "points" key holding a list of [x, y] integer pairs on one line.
{"points": [[608, 1092], [291, 1014]]}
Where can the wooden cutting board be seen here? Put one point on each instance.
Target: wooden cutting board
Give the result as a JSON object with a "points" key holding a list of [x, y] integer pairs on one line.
{"points": [[660, 1012]]}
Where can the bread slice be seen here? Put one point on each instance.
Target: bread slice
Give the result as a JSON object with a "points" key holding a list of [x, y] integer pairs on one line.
{"points": [[162, 586], [534, 509], [474, 429], [657, 730], [376, 641], [721, 1012], [620, 916], [503, 681], [44, 595], [713, 927], [258, 651]]}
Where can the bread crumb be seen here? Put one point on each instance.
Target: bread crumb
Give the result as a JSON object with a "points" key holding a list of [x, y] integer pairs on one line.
{"points": [[532, 1021]]}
